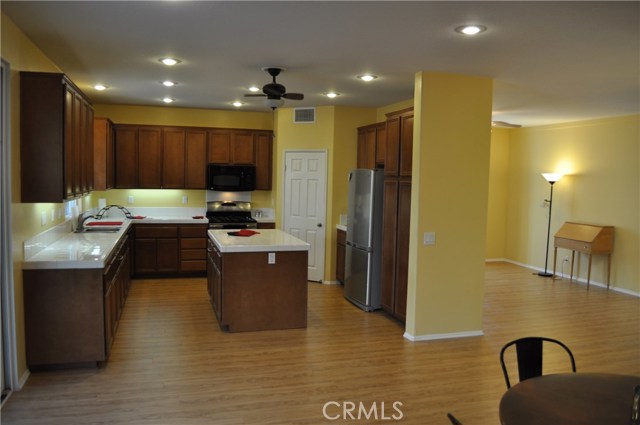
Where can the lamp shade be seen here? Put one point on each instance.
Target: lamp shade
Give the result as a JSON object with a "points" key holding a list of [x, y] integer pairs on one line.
{"points": [[552, 177]]}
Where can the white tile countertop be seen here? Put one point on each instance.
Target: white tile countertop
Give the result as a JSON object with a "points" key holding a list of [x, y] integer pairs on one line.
{"points": [[266, 240], [85, 250]]}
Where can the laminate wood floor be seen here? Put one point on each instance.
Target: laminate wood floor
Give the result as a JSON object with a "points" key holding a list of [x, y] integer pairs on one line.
{"points": [[171, 365]]}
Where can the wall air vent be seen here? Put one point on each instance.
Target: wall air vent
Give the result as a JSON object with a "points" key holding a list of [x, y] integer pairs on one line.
{"points": [[304, 115]]}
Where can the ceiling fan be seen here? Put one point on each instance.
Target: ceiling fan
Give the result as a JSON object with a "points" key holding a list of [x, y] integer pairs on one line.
{"points": [[275, 92]]}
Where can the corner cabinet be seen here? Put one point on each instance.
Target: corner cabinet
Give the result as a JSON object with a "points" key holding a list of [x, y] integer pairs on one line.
{"points": [[56, 138]]}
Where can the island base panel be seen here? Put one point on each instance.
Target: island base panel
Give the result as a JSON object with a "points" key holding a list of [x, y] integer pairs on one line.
{"points": [[259, 296]]}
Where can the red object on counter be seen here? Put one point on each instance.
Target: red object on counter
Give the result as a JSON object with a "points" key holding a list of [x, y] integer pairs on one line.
{"points": [[244, 232], [197, 216], [104, 223], [139, 217]]}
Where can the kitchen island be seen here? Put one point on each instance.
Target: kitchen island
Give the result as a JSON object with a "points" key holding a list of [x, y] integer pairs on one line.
{"points": [[257, 282]]}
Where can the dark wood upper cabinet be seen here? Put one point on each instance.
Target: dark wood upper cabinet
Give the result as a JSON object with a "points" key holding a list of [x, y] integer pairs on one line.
{"points": [[103, 154], [371, 145], [219, 147], [150, 158], [173, 158], [196, 159], [126, 157], [399, 144], [55, 138], [264, 158], [177, 157]]}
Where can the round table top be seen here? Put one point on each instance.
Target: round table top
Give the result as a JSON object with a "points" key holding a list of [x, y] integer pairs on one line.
{"points": [[570, 399]]}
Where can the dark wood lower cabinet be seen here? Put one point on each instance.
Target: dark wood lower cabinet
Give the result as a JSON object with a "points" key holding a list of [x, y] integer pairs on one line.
{"points": [[166, 250], [395, 246], [71, 315]]}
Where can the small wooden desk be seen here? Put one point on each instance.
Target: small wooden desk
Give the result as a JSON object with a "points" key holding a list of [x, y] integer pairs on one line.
{"points": [[586, 238], [570, 399]]}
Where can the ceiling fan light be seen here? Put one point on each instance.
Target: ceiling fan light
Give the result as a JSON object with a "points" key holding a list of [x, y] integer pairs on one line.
{"points": [[273, 103]]}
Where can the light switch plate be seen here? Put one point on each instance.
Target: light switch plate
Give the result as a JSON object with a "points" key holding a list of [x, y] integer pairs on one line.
{"points": [[130, 199], [271, 258], [43, 218], [429, 238]]}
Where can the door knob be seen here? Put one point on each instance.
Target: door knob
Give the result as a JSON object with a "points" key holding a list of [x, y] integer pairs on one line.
{"points": [[319, 224]]}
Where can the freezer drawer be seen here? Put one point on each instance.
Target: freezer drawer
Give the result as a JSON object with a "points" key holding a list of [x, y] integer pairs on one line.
{"points": [[360, 285]]}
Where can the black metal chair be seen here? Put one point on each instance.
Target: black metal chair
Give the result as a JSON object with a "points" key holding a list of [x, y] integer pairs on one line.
{"points": [[529, 355], [635, 407], [454, 421]]}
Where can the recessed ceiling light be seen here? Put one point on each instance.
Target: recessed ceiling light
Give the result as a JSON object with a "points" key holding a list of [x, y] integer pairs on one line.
{"points": [[168, 100], [237, 104], [169, 61], [254, 89], [367, 77], [332, 94], [471, 29], [168, 83], [100, 87]]}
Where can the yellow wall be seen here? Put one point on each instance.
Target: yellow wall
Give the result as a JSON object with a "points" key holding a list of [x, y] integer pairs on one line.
{"points": [[602, 186], [449, 194], [22, 55], [498, 194]]}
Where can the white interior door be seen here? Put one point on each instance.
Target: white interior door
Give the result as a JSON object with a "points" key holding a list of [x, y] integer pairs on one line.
{"points": [[304, 198]]}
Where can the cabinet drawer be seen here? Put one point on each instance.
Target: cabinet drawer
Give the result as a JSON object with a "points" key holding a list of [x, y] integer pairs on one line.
{"points": [[193, 243], [193, 265], [156, 231], [573, 245], [194, 231], [193, 254]]}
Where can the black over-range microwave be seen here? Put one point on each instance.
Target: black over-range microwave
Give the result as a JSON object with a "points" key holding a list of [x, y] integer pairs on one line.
{"points": [[231, 178]]}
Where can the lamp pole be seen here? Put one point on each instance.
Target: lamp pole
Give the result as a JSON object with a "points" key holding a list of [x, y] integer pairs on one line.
{"points": [[551, 178]]}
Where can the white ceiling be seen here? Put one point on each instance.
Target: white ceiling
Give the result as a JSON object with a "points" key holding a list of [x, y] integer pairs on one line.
{"points": [[551, 61]]}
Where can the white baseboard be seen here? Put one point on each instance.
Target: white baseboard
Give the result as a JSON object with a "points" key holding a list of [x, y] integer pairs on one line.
{"points": [[432, 337], [564, 276]]}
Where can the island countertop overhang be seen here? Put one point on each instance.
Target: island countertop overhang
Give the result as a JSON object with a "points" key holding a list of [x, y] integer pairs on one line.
{"points": [[266, 240]]}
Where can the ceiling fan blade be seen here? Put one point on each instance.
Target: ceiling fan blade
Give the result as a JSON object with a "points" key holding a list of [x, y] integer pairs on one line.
{"points": [[293, 96], [254, 95]]}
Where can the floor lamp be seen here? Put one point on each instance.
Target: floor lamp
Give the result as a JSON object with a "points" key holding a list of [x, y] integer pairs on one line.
{"points": [[551, 178]]}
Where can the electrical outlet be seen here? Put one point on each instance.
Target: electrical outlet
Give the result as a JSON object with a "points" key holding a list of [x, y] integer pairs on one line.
{"points": [[43, 218], [185, 200], [271, 258], [130, 199]]}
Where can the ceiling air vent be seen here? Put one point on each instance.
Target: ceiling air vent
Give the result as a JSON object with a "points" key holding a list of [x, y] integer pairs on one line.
{"points": [[304, 115]]}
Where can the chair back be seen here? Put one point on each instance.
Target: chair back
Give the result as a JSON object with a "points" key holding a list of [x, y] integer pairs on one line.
{"points": [[635, 406], [454, 421], [529, 355]]}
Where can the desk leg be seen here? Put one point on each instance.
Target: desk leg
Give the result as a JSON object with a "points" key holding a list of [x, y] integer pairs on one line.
{"points": [[555, 255], [608, 269], [573, 256], [589, 272]]}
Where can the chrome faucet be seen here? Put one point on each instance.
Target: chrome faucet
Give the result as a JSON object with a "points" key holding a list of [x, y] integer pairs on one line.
{"points": [[81, 219]]}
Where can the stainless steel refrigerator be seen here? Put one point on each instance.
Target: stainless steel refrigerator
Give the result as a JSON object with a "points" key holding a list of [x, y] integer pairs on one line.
{"points": [[364, 239]]}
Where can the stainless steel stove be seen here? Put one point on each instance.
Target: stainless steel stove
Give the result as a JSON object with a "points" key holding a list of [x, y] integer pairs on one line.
{"points": [[230, 215]]}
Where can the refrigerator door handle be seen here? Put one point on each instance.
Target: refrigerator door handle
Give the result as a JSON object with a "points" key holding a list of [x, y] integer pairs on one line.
{"points": [[358, 246]]}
